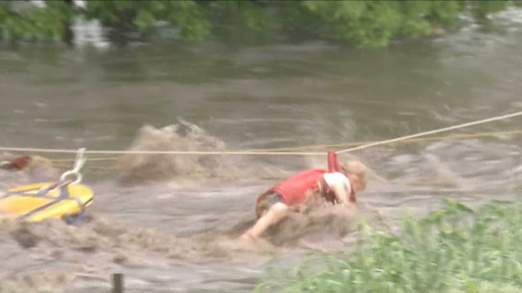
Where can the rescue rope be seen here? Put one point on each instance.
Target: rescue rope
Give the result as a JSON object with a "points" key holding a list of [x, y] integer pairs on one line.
{"points": [[445, 129], [413, 140], [358, 146], [145, 152], [105, 158], [91, 159]]}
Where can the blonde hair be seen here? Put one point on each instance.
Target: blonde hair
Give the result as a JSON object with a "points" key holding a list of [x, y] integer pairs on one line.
{"points": [[358, 169]]}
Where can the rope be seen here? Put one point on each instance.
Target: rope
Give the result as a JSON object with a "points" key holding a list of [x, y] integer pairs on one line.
{"points": [[115, 152], [359, 146], [66, 161], [406, 137], [329, 146], [464, 136], [414, 140]]}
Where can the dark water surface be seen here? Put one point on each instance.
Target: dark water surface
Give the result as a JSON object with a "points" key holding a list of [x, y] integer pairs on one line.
{"points": [[178, 236]]}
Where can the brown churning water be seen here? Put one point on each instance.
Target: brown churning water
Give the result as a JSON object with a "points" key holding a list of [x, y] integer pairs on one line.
{"points": [[170, 223]]}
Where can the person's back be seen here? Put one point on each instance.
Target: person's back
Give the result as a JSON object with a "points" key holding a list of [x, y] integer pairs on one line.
{"points": [[293, 190]]}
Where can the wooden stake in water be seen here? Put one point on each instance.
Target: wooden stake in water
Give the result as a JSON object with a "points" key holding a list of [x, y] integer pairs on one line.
{"points": [[117, 283]]}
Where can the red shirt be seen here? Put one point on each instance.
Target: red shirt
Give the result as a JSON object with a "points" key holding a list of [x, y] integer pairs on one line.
{"points": [[295, 189]]}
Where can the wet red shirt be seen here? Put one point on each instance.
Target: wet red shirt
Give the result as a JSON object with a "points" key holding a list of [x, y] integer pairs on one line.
{"points": [[295, 189]]}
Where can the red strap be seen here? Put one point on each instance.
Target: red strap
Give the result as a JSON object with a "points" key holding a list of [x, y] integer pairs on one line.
{"points": [[333, 163]]}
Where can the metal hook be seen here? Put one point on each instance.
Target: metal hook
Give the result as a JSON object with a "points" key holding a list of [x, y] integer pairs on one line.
{"points": [[80, 160], [78, 165]]}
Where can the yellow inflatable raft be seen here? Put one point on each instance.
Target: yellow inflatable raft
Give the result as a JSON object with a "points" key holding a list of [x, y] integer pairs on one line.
{"points": [[40, 201]]}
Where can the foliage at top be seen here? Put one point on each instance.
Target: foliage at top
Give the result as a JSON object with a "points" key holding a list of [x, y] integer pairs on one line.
{"points": [[34, 24], [143, 15], [359, 23]]}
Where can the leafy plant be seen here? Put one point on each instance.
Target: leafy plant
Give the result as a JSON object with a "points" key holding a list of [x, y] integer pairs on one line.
{"points": [[452, 250], [35, 24], [360, 23], [143, 15]]}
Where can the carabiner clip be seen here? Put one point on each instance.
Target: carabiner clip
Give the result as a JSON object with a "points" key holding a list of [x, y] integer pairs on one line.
{"points": [[78, 165]]}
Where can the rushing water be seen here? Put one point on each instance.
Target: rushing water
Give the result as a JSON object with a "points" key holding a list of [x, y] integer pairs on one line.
{"points": [[179, 234]]}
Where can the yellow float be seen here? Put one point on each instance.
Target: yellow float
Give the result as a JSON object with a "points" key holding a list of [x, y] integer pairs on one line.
{"points": [[41, 201]]}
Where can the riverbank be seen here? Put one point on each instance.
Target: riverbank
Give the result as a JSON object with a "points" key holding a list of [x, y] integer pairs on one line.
{"points": [[456, 249], [357, 23]]}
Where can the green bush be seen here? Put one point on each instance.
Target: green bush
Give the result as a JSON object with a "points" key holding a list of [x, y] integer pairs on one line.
{"points": [[359, 23], [453, 250], [35, 24], [143, 15]]}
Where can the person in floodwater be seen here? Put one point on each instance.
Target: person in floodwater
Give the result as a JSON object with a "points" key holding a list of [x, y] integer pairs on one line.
{"points": [[37, 167], [337, 185]]}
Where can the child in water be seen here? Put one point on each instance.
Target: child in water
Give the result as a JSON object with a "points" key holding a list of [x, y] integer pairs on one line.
{"points": [[337, 185]]}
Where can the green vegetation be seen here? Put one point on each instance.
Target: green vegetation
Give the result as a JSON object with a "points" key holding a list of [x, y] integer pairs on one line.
{"points": [[453, 250], [33, 24], [359, 23], [143, 15]]}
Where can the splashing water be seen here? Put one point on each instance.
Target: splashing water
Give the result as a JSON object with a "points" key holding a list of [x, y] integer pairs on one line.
{"points": [[174, 237], [184, 136]]}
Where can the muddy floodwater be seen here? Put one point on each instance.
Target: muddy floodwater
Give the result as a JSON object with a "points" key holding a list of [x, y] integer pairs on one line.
{"points": [[179, 234]]}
